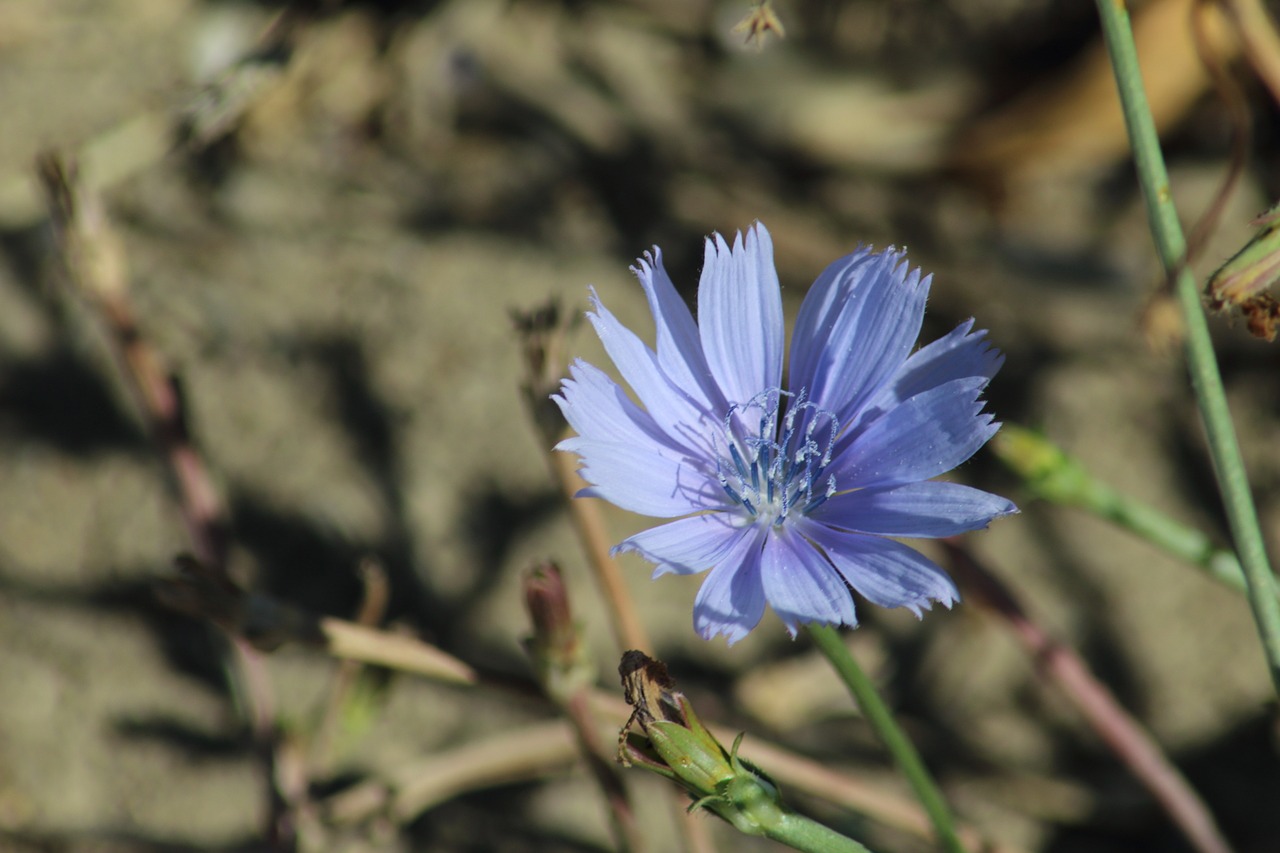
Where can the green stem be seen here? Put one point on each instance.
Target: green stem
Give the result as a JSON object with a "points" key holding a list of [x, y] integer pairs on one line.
{"points": [[1053, 474], [801, 833], [1205, 379], [881, 719]]}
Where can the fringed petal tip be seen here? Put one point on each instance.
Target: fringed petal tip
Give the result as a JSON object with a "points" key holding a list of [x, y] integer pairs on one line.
{"points": [[986, 358], [919, 607], [660, 567], [647, 263], [732, 633], [901, 273]]}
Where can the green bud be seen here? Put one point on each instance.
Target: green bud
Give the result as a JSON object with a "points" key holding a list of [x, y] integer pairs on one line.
{"points": [[682, 749], [1049, 471]]}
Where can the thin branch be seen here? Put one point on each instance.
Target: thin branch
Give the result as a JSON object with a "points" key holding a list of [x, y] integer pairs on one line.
{"points": [[94, 259], [542, 334]]}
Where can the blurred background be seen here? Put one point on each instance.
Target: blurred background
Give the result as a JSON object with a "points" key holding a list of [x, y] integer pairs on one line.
{"points": [[329, 209]]}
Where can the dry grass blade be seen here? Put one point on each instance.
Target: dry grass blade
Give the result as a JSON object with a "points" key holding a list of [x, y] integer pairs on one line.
{"points": [[531, 752], [350, 641]]}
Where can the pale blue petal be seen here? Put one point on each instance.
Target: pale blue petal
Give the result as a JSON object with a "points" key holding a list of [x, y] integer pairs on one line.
{"points": [[883, 571], [674, 410], [678, 345], [819, 312], [800, 585], [598, 409], [927, 435], [856, 327], [642, 481], [731, 598], [959, 355], [689, 545], [929, 509], [740, 315]]}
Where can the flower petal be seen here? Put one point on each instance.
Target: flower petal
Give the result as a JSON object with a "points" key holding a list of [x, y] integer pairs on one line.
{"points": [[800, 585], [928, 509], [686, 546], [598, 409], [740, 315], [643, 481], [885, 572], [678, 347], [927, 435], [731, 599], [855, 329], [675, 411], [960, 354]]}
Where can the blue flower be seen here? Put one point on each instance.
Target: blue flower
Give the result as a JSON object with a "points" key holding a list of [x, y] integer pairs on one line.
{"points": [[789, 493]]}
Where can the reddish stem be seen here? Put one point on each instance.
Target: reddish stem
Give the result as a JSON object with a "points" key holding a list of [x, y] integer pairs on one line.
{"points": [[1122, 734]]}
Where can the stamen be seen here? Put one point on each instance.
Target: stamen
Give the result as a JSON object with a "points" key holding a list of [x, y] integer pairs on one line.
{"points": [[789, 462], [739, 464]]}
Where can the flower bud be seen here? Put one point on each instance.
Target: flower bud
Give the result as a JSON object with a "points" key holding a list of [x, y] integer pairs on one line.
{"points": [[555, 645], [681, 748]]}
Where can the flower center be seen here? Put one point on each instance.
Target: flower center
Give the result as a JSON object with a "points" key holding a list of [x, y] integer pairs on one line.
{"points": [[778, 467]]}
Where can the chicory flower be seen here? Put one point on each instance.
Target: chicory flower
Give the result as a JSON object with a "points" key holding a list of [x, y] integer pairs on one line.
{"points": [[788, 492]]}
